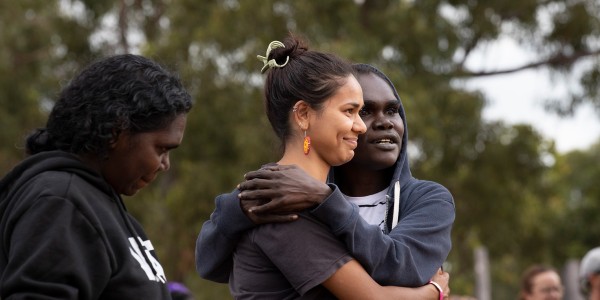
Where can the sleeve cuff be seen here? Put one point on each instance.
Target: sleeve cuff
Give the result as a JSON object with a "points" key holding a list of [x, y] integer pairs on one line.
{"points": [[335, 210]]}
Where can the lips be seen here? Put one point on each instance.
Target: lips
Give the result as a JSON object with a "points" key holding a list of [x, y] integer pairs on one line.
{"points": [[352, 141], [145, 181], [384, 140]]}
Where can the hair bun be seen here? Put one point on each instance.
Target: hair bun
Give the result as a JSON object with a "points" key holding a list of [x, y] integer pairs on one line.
{"points": [[294, 47], [39, 141]]}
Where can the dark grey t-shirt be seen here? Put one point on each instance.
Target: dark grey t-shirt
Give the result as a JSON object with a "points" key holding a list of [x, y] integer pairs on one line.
{"points": [[286, 261]]}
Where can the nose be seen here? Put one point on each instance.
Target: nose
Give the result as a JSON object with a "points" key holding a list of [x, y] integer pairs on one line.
{"points": [[165, 162], [382, 122], [359, 126]]}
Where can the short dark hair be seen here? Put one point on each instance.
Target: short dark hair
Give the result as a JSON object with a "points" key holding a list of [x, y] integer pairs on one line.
{"points": [[112, 95], [309, 75]]}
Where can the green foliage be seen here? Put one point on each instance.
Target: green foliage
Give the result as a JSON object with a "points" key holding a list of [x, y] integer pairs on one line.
{"points": [[514, 194]]}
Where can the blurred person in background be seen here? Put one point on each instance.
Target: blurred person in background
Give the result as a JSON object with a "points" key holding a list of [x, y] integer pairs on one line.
{"points": [[589, 274], [540, 282]]}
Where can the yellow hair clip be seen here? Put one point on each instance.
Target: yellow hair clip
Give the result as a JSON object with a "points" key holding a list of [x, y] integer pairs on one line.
{"points": [[272, 63]]}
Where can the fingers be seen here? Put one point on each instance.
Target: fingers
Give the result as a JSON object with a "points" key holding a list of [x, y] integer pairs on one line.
{"points": [[259, 174], [256, 184], [447, 286], [256, 194], [264, 209]]}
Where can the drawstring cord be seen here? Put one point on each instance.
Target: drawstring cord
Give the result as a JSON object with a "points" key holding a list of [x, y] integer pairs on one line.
{"points": [[396, 207]]}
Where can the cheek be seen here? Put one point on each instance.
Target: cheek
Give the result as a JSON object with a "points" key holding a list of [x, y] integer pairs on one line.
{"points": [[143, 166], [345, 126], [399, 125], [152, 165]]}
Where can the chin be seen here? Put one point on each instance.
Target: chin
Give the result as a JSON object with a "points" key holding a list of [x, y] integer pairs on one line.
{"points": [[389, 159], [130, 192], [382, 164], [344, 160]]}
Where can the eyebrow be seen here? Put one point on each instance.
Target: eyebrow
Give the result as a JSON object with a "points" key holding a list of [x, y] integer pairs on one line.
{"points": [[388, 102]]}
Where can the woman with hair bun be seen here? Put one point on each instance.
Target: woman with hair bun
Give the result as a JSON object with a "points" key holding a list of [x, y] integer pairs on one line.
{"points": [[65, 232], [312, 101]]}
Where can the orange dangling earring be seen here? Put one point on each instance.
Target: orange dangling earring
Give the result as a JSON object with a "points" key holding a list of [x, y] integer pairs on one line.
{"points": [[306, 143]]}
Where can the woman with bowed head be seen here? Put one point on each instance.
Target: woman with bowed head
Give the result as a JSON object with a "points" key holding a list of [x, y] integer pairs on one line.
{"points": [[65, 232]]}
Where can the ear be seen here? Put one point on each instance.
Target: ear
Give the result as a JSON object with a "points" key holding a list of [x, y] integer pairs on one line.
{"points": [[116, 136], [301, 113]]}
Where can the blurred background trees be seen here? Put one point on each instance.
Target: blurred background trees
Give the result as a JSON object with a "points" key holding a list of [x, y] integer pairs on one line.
{"points": [[515, 194]]}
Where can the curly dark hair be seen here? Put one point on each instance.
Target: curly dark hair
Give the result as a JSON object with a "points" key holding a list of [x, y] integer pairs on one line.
{"points": [[309, 75], [115, 94]]}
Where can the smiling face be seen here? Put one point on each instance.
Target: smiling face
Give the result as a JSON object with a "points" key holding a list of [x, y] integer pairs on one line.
{"points": [[334, 130], [135, 160], [380, 146]]}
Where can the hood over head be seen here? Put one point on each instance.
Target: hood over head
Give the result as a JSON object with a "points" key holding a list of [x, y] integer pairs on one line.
{"points": [[402, 172]]}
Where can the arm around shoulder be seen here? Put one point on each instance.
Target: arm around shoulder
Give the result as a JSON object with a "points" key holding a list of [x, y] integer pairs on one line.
{"points": [[412, 252]]}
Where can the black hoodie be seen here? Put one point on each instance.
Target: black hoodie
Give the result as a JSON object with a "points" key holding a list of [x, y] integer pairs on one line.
{"points": [[66, 234]]}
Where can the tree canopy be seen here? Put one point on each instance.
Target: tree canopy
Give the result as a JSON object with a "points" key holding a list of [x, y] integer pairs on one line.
{"points": [[514, 193]]}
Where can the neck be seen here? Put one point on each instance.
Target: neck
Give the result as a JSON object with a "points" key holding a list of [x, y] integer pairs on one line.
{"points": [[312, 164], [358, 182]]}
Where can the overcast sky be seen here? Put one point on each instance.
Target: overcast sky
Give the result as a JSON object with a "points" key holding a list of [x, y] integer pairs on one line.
{"points": [[517, 98]]}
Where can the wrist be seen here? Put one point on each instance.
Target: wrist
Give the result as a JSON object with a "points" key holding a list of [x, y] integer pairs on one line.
{"points": [[323, 194], [438, 288]]}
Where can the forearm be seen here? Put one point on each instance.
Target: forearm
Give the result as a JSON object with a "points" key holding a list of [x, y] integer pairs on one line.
{"points": [[352, 282], [409, 256], [426, 292], [218, 238], [388, 261]]}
